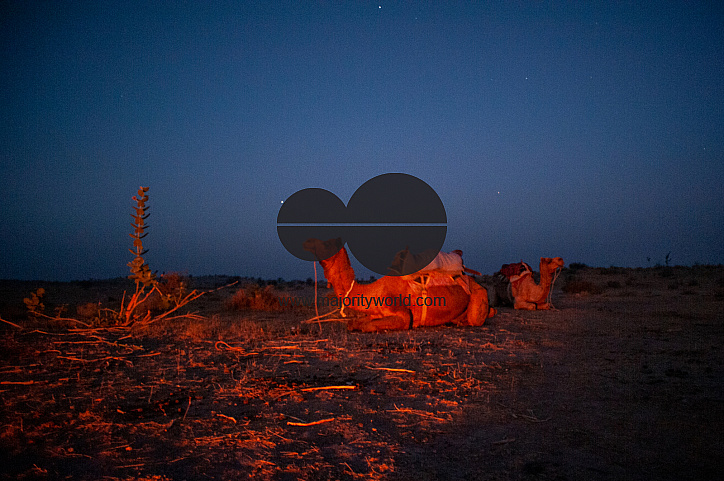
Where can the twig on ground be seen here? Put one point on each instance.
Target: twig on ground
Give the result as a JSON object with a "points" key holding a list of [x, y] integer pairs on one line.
{"points": [[335, 319], [226, 417], [40, 314], [193, 295], [324, 388], [232, 348], [187, 409], [321, 421], [348, 467], [8, 322], [223, 287], [530, 417], [107, 358], [391, 369], [317, 318], [416, 411]]}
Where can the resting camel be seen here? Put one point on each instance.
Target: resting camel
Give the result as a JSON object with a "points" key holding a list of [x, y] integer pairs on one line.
{"points": [[520, 289], [392, 302]]}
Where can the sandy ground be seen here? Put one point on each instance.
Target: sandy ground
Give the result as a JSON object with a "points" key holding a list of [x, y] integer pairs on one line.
{"points": [[625, 380]]}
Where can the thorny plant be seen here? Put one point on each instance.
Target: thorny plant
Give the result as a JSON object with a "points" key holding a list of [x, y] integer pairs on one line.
{"points": [[170, 291], [140, 272], [132, 312]]}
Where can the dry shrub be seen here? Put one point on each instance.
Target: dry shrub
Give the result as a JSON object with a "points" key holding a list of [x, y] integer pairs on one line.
{"points": [[172, 284], [255, 298], [89, 310], [580, 287], [169, 291], [172, 289]]}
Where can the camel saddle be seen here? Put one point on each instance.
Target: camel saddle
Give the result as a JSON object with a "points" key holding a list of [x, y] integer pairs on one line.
{"points": [[513, 272], [446, 269]]}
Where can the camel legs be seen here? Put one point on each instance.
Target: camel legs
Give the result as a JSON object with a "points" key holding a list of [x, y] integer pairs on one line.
{"points": [[389, 323], [531, 306], [478, 308]]}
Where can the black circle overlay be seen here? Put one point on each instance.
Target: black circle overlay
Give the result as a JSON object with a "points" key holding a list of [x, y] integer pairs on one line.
{"points": [[391, 224]]}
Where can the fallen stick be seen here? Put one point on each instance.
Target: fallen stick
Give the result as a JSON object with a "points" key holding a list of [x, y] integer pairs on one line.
{"points": [[321, 421], [416, 411], [392, 369], [334, 319], [531, 418], [8, 322], [187, 410], [317, 318], [58, 318], [231, 348], [226, 417], [323, 388], [107, 358], [223, 287]]}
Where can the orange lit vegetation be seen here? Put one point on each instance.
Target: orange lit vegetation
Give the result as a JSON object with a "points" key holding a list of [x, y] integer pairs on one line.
{"points": [[153, 299], [255, 394], [253, 297], [172, 293]]}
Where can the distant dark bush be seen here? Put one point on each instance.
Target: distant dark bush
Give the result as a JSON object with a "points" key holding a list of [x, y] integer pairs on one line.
{"points": [[612, 271], [577, 265], [666, 271], [613, 284], [254, 298]]}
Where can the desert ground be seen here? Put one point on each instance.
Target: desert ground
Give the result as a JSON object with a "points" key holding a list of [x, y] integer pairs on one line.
{"points": [[623, 380]]}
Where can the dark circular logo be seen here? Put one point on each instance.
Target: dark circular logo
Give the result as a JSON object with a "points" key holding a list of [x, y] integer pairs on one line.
{"points": [[394, 224]]}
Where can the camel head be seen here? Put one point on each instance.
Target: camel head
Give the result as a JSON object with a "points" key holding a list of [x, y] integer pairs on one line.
{"points": [[552, 263], [334, 260], [323, 250]]}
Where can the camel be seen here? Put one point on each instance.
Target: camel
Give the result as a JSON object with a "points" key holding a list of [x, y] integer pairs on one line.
{"points": [[401, 302], [516, 285]]}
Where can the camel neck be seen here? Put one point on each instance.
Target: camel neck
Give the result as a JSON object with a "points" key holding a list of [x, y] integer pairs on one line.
{"points": [[338, 271], [546, 276]]}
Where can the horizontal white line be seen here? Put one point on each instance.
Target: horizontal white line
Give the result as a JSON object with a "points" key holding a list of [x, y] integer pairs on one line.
{"points": [[360, 224]]}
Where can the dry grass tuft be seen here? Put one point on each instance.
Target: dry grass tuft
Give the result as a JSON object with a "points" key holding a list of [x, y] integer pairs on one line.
{"points": [[88, 310], [255, 298]]}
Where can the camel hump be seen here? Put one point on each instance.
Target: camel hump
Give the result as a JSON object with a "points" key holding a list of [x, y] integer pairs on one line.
{"points": [[408, 263], [445, 262]]}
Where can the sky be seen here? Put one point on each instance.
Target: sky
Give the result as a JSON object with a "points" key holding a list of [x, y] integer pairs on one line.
{"points": [[593, 131]]}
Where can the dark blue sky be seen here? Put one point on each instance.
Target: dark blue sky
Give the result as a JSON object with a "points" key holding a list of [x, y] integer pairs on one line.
{"points": [[591, 131]]}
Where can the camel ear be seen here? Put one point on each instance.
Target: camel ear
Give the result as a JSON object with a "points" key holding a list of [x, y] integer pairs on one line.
{"points": [[323, 249], [329, 248]]}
